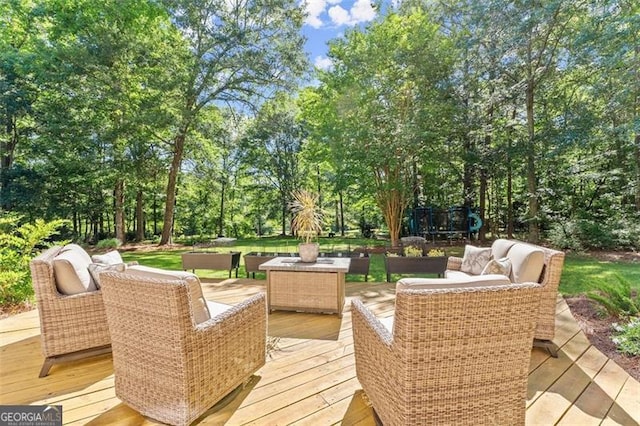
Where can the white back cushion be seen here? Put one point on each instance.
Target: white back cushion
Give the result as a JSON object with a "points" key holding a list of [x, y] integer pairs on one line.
{"points": [[71, 272], [111, 258], [526, 263], [500, 248]]}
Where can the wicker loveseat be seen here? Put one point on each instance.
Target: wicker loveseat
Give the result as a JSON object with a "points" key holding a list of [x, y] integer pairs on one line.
{"points": [[455, 352], [174, 357], [549, 278]]}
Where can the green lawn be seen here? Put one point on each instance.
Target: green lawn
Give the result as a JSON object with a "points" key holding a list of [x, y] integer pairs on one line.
{"points": [[580, 274]]}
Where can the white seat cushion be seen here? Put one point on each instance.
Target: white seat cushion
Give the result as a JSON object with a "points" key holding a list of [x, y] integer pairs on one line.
{"points": [[216, 308], [468, 281], [456, 274], [387, 322], [527, 262]]}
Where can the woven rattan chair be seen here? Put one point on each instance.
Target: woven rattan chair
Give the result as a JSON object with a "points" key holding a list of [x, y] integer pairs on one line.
{"points": [[71, 327], [167, 366], [452, 355], [549, 280]]}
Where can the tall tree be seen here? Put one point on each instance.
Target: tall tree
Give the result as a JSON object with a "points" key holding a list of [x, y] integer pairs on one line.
{"points": [[240, 50], [388, 90], [272, 148]]}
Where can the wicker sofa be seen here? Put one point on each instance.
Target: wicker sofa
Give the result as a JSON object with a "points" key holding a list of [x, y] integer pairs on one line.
{"points": [[548, 277], [455, 352], [174, 357]]}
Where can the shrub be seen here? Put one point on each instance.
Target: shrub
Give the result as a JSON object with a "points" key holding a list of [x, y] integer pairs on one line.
{"points": [[627, 337], [412, 251], [109, 243], [617, 298], [582, 234], [19, 244]]}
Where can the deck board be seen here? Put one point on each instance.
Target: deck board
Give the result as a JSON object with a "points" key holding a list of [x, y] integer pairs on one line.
{"points": [[309, 378]]}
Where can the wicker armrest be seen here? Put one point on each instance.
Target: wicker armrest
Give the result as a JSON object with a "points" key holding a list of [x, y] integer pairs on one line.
{"points": [[233, 344], [454, 263], [369, 325]]}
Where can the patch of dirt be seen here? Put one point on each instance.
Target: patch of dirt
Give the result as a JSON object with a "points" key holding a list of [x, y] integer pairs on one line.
{"points": [[598, 330]]}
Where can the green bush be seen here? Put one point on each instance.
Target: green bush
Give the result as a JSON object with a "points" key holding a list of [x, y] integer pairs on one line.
{"points": [[19, 243], [583, 234], [617, 298], [627, 337], [109, 243]]}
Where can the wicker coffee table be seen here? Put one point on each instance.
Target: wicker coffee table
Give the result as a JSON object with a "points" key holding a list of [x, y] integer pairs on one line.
{"points": [[306, 287]]}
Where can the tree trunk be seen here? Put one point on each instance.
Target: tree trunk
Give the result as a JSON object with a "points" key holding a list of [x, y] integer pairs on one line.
{"points": [[637, 172], [221, 218], [284, 218], [7, 149], [483, 204], [341, 214], [467, 180], [118, 195], [532, 185], [139, 216], [169, 209], [392, 207], [510, 218]]}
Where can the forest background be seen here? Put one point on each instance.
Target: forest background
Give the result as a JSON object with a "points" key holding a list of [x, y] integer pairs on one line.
{"points": [[155, 119]]}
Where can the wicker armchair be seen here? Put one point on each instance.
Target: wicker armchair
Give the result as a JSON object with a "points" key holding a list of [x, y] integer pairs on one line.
{"points": [[166, 365], [457, 355], [71, 327], [549, 280]]}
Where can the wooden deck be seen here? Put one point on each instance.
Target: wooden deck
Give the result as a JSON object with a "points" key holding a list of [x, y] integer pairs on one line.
{"points": [[309, 378]]}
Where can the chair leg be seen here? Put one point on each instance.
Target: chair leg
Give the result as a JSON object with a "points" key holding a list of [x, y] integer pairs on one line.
{"points": [[376, 418], [551, 347], [72, 356], [46, 366]]}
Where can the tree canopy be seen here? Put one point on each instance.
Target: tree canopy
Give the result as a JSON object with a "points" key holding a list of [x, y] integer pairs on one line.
{"points": [[139, 118]]}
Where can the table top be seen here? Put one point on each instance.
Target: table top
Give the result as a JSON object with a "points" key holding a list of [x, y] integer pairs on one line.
{"points": [[323, 264]]}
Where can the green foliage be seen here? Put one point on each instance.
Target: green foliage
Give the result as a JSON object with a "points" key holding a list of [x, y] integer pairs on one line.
{"points": [[592, 234], [19, 244], [617, 298], [413, 251], [627, 337], [109, 243]]}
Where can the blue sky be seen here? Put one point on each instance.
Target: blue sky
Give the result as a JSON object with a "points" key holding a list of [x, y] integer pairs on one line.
{"points": [[327, 19]]}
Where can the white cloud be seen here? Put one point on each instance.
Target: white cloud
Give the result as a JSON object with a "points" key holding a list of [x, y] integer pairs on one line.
{"points": [[323, 62], [339, 16], [314, 9], [362, 11]]}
